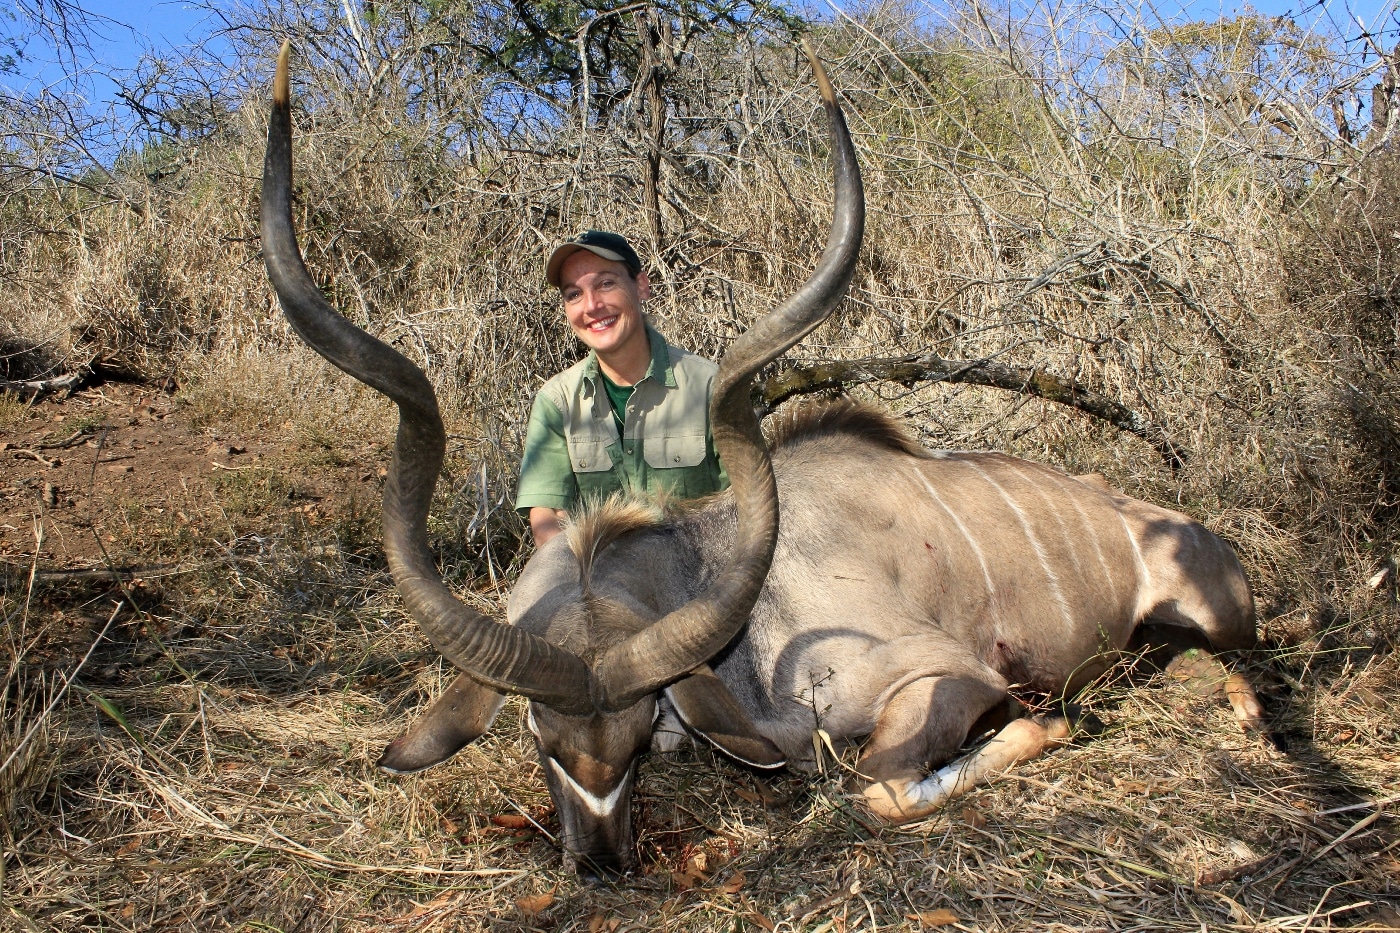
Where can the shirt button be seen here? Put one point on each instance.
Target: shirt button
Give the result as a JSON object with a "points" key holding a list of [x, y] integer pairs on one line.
{"points": [[583, 463], [629, 451], [677, 459]]}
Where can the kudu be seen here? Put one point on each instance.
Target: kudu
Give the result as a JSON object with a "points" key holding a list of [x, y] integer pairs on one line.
{"points": [[905, 593]]}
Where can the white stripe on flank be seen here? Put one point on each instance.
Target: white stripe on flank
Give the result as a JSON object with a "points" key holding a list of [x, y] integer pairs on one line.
{"points": [[971, 541], [1029, 532], [1144, 589], [599, 806], [1075, 499]]}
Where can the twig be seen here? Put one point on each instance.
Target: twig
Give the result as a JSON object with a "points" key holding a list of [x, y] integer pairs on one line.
{"points": [[930, 367], [36, 387], [62, 690], [83, 574], [23, 453], [1357, 827], [1366, 804], [73, 440]]}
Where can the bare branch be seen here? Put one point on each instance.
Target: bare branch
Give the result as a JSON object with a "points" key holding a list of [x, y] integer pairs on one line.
{"points": [[839, 375], [27, 388]]}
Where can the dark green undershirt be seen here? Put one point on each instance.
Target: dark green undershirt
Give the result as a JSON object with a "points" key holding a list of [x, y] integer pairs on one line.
{"points": [[617, 399]]}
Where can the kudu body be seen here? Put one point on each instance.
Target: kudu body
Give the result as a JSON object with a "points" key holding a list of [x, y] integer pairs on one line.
{"points": [[903, 595]]}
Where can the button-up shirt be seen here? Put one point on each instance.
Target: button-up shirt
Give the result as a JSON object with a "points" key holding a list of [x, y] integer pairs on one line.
{"points": [[573, 450]]}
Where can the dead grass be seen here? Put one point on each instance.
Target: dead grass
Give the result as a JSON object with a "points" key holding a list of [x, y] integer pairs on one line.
{"points": [[213, 769], [235, 723], [12, 409]]}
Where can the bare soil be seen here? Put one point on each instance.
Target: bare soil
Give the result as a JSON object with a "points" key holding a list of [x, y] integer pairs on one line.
{"points": [[82, 476]]}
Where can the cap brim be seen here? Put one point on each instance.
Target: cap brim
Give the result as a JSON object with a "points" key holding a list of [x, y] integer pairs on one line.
{"points": [[563, 252]]}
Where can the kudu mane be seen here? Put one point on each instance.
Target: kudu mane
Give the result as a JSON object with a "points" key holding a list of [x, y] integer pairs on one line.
{"points": [[600, 523], [842, 418]]}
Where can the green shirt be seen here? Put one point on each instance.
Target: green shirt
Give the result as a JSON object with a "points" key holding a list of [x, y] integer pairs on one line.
{"points": [[573, 450]]}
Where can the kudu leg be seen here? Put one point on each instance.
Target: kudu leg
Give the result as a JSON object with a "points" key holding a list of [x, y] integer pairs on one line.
{"points": [[462, 714], [1203, 673], [1022, 740], [1186, 656], [925, 723]]}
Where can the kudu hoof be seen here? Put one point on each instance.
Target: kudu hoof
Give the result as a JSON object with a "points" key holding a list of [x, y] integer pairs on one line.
{"points": [[903, 799]]}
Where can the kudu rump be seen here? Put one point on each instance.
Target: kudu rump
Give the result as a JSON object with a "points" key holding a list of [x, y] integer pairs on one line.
{"points": [[904, 593]]}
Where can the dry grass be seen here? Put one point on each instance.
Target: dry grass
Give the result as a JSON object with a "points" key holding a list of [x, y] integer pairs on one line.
{"points": [[217, 774]]}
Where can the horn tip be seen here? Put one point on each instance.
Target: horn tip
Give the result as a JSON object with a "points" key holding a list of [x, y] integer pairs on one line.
{"points": [[823, 84], [282, 84]]}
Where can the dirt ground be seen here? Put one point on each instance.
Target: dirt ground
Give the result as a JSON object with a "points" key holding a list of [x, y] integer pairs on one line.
{"points": [[80, 475]]}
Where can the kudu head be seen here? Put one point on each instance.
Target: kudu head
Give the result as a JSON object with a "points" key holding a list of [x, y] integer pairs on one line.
{"points": [[591, 709]]}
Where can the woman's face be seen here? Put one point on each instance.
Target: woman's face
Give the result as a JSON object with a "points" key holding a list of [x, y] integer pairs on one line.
{"points": [[603, 303]]}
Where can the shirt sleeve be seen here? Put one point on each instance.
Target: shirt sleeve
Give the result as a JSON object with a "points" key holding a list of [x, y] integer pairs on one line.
{"points": [[722, 475], [546, 473]]}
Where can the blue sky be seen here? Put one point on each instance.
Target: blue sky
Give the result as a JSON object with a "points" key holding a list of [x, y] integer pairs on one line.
{"points": [[166, 23], [169, 23], [160, 24]]}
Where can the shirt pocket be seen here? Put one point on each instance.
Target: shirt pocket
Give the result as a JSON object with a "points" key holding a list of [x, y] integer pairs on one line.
{"points": [[676, 452], [590, 454]]}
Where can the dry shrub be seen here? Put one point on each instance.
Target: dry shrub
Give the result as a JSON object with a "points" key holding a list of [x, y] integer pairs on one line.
{"points": [[1342, 280], [26, 757]]}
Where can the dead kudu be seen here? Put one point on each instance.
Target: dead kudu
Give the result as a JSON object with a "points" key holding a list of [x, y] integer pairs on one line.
{"points": [[903, 595]]}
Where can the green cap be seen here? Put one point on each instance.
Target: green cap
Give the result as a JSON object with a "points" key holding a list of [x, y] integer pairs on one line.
{"points": [[611, 246]]}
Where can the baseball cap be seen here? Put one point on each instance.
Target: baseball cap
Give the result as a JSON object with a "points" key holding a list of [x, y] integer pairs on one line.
{"points": [[611, 246]]}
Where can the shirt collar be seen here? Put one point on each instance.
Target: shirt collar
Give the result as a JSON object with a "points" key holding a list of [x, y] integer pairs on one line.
{"points": [[659, 368]]}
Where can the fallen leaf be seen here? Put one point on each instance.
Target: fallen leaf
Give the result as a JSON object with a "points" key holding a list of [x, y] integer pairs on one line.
{"points": [[1130, 787], [511, 821], [754, 916], [130, 847], [437, 903], [685, 880], [734, 885], [761, 795], [602, 923], [973, 818], [942, 917], [534, 904]]}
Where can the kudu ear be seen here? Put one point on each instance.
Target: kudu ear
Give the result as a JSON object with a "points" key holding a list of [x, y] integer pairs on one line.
{"points": [[460, 716], [707, 707]]}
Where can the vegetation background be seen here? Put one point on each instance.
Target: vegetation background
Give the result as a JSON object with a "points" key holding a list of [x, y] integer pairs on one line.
{"points": [[1159, 248]]}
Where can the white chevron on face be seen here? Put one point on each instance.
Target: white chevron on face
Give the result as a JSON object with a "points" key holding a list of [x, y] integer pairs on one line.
{"points": [[600, 807]]}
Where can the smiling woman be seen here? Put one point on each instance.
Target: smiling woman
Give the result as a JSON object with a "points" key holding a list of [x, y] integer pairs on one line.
{"points": [[633, 415], [603, 303]]}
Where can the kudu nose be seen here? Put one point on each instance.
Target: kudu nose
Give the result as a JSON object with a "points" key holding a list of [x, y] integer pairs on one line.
{"points": [[600, 869]]}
